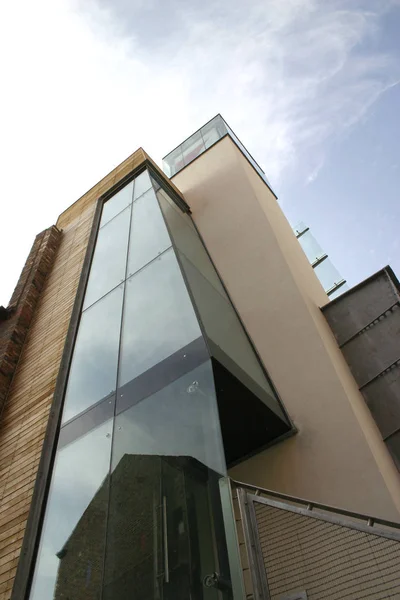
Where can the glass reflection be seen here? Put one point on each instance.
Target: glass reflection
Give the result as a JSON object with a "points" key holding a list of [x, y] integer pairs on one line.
{"points": [[158, 317], [213, 131], [179, 420], [226, 332], [117, 203], [187, 240], [93, 370], [149, 236], [159, 494], [70, 557], [200, 141], [173, 162], [193, 147], [328, 275], [109, 259], [310, 246], [142, 184], [160, 538]]}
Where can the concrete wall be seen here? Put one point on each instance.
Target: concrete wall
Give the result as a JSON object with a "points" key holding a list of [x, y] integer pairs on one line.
{"points": [[337, 456]]}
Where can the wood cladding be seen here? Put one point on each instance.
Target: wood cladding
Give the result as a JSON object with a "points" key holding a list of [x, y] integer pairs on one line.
{"points": [[26, 410]]}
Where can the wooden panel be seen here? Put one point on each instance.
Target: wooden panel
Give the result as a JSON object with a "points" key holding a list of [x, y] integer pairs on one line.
{"points": [[24, 419]]}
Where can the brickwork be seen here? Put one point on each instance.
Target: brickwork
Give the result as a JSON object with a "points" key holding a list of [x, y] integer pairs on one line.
{"points": [[19, 313]]}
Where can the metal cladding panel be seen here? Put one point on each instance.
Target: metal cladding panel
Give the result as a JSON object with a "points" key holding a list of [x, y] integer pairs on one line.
{"points": [[366, 324], [326, 560], [361, 305]]}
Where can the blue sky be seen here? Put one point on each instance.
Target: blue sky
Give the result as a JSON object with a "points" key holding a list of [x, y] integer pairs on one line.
{"points": [[311, 87], [353, 205]]}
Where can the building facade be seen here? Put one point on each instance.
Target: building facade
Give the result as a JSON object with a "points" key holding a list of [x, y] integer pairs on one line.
{"points": [[166, 337]]}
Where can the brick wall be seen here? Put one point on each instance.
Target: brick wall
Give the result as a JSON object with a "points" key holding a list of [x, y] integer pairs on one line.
{"points": [[17, 317]]}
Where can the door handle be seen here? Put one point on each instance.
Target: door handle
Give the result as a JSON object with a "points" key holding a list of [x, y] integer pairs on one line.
{"points": [[216, 581], [165, 539]]}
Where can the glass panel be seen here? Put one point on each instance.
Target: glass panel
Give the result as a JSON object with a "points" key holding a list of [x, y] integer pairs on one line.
{"points": [[93, 370], [299, 228], [71, 552], [158, 317], [327, 274], [181, 557], [149, 235], [153, 484], [92, 418], [174, 162], [247, 154], [232, 541], [226, 332], [393, 444], [343, 288], [134, 565], [213, 131], [109, 259], [201, 523], [310, 246], [199, 142], [142, 184], [160, 507], [187, 240], [166, 199], [166, 168], [192, 148], [118, 202], [179, 420]]}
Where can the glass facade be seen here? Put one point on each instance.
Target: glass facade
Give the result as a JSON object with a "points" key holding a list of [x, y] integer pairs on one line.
{"points": [[134, 509], [330, 278], [199, 142]]}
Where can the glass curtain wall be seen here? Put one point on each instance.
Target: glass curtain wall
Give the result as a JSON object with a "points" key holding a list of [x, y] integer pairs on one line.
{"points": [[132, 510], [224, 333]]}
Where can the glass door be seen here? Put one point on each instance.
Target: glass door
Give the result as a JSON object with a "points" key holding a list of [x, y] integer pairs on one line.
{"points": [[133, 566], [190, 544], [161, 542]]}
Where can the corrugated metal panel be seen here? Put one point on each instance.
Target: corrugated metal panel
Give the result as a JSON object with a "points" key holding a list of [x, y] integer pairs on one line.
{"points": [[366, 324], [361, 305]]}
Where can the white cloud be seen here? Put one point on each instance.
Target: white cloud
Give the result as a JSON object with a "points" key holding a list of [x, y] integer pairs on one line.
{"points": [[89, 82]]}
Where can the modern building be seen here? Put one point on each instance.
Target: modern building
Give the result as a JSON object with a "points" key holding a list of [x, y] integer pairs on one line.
{"points": [[185, 414]]}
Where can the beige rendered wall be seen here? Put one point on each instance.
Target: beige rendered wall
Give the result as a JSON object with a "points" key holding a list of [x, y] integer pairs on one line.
{"points": [[337, 456]]}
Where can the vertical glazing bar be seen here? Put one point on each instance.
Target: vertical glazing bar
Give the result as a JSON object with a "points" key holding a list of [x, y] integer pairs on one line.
{"points": [[165, 531], [155, 546], [232, 541]]}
